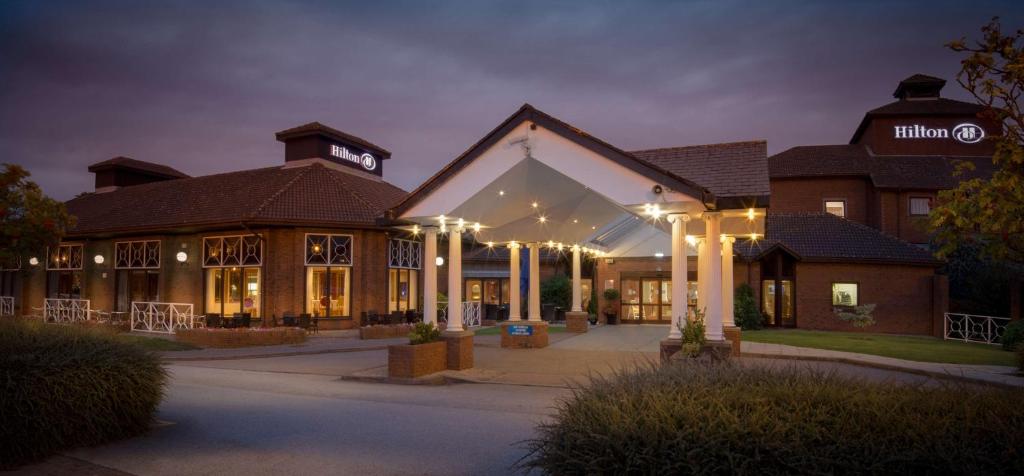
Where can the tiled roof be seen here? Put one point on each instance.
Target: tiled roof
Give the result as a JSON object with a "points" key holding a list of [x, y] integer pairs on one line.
{"points": [[735, 169], [130, 163], [313, 128], [313, 194], [885, 171], [825, 237]]}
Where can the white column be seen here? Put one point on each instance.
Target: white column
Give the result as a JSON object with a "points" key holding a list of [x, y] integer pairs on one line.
{"points": [[712, 225], [534, 294], [702, 274], [727, 289], [577, 285], [455, 279], [513, 283], [679, 277], [430, 276]]}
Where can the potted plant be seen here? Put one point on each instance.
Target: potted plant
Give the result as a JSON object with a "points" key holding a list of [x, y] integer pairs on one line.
{"points": [[425, 353], [611, 308]]}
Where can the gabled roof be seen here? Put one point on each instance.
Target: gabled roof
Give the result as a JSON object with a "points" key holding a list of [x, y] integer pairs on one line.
{"points": [[823, 237], [315, 194], [737, 171], [569, 132], [138, 165], [918, 107], [884, 171], [316, 128]]}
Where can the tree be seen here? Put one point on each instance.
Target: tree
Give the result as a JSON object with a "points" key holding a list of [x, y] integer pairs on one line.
{"points": [[745, 311], [29, 220], [989, 212]]}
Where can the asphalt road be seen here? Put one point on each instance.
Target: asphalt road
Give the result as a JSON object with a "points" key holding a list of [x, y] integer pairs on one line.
{"points": [[258, 423]]}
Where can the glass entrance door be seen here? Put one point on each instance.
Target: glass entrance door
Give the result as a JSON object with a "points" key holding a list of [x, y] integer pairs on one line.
{"points": [[777, 302]]}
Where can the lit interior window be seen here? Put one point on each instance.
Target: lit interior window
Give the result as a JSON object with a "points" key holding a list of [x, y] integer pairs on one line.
{"points": [[836, 207]]}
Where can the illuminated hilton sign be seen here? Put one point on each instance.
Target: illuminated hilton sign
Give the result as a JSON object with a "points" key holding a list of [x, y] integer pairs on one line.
{"points": [[366, 160], [967, 133]]}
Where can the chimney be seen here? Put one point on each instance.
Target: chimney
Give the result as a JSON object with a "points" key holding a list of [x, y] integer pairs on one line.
{"points": [[317, 141], [125, 172]]}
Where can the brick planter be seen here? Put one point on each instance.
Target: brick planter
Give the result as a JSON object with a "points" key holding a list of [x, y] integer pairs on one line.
{"points": [[411, 361], [385, 332], [514, 334], [732, 335], [228, 338], [576, 322]]}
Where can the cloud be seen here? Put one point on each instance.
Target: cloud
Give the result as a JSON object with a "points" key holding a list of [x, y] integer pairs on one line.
{"points": [[202, 86]]}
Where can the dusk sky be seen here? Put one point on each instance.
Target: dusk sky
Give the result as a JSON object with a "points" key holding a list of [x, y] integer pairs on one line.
{"points": [[203, 86]]}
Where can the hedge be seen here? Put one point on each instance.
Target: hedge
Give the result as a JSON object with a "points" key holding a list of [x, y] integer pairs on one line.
{"points": [[728, 419], [66, 386]]}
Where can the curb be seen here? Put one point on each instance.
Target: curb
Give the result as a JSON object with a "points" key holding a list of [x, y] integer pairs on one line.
{"points": [[432, 380], [878, 365], [277, 354]]}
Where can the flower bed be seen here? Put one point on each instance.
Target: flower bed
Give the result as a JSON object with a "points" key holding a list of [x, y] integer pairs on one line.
{"points": [[387, 331], [248, 337]]}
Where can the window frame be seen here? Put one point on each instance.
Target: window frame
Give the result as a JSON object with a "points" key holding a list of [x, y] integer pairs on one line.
{"points": [[825, 202], [856, 300], [910, 205]]}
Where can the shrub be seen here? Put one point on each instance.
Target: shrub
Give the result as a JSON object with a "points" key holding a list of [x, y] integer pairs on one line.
{"points": [[556, 290], [65, 386], [611, 295], [745, 309], [690, 418], [1013, 335], [592, 305], [424, 333], [859, 316], [693, 334]]}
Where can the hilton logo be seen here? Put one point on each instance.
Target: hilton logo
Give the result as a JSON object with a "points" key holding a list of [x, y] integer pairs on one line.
{"points": [[967, 133], [366, 160]]}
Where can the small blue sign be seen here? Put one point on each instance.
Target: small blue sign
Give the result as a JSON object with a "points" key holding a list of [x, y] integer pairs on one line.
{"points": [[520, 330]]}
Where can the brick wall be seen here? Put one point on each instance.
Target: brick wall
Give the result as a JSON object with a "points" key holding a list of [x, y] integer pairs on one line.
{"points": [[809, 195], [903, 295]]}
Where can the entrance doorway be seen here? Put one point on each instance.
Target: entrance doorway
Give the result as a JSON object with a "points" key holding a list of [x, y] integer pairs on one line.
{"points": [[778, 289]]}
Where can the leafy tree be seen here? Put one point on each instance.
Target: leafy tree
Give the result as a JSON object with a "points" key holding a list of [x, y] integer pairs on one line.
{"points": [[29, 220], [989, 212], [745, 308]]}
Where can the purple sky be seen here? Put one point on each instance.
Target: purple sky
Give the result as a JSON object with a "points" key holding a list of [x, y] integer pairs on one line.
{"points": [[202, 86]]}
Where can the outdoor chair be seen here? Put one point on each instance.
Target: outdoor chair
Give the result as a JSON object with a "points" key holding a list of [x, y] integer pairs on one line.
{"points": [[213, 320], [373, 318], [246, 320], [288, 320], [314, 325], [305, 322]]}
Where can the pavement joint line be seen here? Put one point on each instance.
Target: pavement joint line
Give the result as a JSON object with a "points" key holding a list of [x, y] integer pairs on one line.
{"points": [[271, 355], [879, 365]]}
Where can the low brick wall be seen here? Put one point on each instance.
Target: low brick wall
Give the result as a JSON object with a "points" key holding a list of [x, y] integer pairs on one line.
{"points": [[227, 338], [411, 361], [577, 322], [385, 331]]}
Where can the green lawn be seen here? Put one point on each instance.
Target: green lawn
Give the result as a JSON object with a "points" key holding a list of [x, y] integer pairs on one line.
{"points": [[921, 349], [156, 343], [496, 331]]}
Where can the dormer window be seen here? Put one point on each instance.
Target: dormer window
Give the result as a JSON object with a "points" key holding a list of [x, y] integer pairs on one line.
{"points": [[836, 207]]}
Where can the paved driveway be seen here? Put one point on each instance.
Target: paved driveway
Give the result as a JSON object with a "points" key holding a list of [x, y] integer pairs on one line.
{"points": [[246, 422], [624, 338]]}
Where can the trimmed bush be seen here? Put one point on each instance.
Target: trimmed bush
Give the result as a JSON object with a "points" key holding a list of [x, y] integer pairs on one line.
{"points": [[556, 290], [63, 387], [690, 418], [424, 333], [745, 311], [1013, 335]]}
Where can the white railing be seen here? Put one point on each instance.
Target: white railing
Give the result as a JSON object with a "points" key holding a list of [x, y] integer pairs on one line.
{"points": [[471, 313], [6, 306], [972, 328], [165, 317], [65, 311]]}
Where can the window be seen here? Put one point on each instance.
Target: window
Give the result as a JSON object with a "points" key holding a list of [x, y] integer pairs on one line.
{"points": [[836, 207], [136, 285], [844, 294], [222, 251], [137, 254], [233, 274], [65, 257], [402, 289], [327, 291], [920, 206]]}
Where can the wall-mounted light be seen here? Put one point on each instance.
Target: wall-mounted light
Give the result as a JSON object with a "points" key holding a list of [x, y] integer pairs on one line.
{"points": [[181, 256], [659, 255], [33, 261], [439, 261], [98, 259]]}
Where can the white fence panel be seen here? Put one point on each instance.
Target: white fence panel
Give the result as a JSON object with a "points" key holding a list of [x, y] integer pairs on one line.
{"points": [[471, 313], [164, 317], [972, 328], [7, 306], [66, 311]]}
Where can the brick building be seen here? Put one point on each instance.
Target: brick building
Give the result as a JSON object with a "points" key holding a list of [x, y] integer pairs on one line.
{"points": [[810, 229]]}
